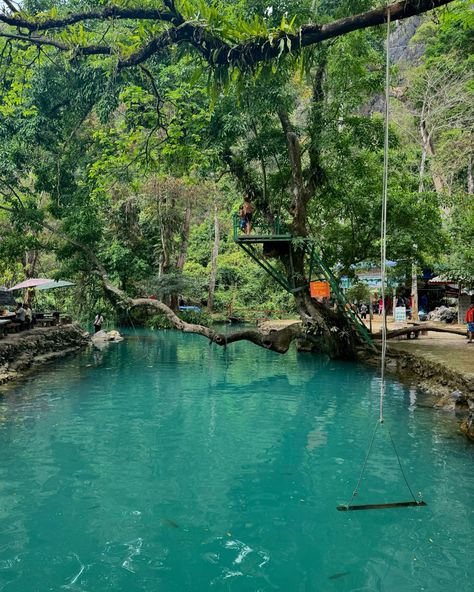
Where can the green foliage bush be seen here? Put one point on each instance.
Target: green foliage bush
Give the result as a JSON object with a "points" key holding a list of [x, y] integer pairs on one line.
{"points": [[160, 321]]}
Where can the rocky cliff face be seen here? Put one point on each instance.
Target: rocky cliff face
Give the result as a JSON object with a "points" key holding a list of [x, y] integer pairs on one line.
{"points": [[22, 351], [403, 54]]}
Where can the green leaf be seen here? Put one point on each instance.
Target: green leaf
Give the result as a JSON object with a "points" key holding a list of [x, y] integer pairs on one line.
{"points": [[282, 47]]}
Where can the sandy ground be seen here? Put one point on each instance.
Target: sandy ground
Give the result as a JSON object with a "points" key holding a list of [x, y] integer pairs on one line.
{"points": [[452, 351]]}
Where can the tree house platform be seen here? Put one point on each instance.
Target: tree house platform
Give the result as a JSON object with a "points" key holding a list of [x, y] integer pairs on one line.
{"points": [[262, 232], [276, 240]]}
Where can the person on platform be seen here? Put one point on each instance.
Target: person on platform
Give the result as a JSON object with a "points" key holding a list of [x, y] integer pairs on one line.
{"points": [[470, 322], [242, 219], [246, 211]]}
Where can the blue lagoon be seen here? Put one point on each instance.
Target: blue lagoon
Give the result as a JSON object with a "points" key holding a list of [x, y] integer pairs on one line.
{"points": [[164, 464]]}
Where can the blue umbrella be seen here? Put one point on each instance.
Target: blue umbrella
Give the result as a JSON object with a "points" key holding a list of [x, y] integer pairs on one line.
{"points": [[55, 284]]}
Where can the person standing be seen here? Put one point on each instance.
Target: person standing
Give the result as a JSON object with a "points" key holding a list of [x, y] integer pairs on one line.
{"points": [[99, 319], [470, 322], [28, 316], [363, 311], [247, 209], [424, 303], [20, 317]]}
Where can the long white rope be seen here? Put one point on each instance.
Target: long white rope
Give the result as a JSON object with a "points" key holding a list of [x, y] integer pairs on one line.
{"points": [[383, 232], [383, 257]]}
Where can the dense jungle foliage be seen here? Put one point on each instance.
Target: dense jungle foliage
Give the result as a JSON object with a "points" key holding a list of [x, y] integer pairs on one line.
{"points": [[146, 165]]}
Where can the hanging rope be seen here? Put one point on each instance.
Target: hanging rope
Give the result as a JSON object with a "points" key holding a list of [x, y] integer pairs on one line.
{"points": [[383, 231], [383, 265], [401, 469], [359, 480]]}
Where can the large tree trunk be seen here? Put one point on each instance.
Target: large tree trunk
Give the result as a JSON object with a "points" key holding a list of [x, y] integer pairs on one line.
{"points": [[298, 208], [470, 177], [414, 292], [439, 183], [214, 254], [326, 330], [183, 251]]}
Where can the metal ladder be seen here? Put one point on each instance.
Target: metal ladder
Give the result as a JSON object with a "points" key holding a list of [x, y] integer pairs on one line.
{"points": [[342, 302]]}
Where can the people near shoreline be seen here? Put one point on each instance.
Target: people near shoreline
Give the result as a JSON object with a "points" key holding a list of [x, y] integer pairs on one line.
{"points": [[380, 306], [98, 321], [470, 323], [424, 303], [20, 313], [246, 211], [28, 316]]}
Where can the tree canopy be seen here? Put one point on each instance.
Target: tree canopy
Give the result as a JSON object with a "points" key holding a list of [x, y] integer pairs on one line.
{"points": [[130, 132], [217, 31]]}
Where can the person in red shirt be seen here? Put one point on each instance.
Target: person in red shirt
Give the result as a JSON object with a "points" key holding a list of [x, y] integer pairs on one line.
{"points": [[470, 322]]}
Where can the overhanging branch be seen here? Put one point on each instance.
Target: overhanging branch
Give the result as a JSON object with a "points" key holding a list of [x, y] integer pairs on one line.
{"points": [[18, 19], [277, 341], [216, 51]]}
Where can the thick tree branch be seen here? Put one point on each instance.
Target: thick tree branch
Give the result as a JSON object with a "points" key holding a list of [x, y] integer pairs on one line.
{"points": [[215, 50], [424, 327], [32, 24], [10, 5], [49, 42]]}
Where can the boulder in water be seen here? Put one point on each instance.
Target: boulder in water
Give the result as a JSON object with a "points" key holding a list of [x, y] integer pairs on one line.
{"points": [[114, 336], [105, 337]]}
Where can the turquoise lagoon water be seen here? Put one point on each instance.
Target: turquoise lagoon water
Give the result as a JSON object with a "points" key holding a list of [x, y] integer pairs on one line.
{"points": [[163, 464]]}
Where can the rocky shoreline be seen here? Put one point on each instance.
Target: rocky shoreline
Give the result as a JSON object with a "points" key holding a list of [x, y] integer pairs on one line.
{"points": [[22, 352], [446, 388]]}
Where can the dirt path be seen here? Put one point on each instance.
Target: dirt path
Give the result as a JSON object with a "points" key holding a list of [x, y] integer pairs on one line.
{"points": [[451, 351]]}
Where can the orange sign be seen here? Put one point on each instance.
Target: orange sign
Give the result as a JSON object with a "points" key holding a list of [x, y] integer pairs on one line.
{"points": [[319, 289]]}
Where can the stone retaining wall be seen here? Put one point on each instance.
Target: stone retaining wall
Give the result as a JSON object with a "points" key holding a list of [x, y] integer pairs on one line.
{"points": [[22, 351], [453, 390]]}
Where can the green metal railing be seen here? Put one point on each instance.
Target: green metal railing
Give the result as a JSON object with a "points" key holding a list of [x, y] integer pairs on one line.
{"points": [[263, 232], [260, 228], [342, 302]]}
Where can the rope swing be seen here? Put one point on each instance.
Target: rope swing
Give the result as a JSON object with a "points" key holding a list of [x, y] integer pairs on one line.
{"points": [[383, 256]]}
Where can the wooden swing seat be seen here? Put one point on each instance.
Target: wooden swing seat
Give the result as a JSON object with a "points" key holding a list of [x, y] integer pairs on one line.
{"points": [[347, 508]]}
